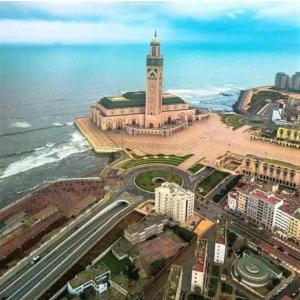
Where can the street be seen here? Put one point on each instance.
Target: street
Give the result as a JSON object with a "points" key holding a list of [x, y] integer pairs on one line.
{"points": [[30, 283]]}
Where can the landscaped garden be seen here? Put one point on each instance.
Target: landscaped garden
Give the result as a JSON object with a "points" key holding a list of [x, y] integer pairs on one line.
{"points": [[204, 187], [116, 266], [233, 120], [150, 180], [158, 159], [196, 167]]}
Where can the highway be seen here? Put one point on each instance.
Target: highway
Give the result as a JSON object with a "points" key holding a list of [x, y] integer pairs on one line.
{"points": [[34, 280]]}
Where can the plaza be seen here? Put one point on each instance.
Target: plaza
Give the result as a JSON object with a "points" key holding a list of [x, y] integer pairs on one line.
{"points": [[206, 140]]}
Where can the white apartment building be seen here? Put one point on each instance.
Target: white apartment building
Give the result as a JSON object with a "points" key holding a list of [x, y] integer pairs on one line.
{"points": [[220, 241], [199, 266], [232, 200], [282, 222], [262, 207], [174, 201]]}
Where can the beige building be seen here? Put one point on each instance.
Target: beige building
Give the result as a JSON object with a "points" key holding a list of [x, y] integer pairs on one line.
{"points": [[174, 283], [289, 134], [199, 265], [280, 172], [294, 226], [274, 208], [174, 201], [138, 232], [145, 112]]}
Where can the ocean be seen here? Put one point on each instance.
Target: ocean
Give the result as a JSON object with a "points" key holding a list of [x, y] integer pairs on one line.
{"points": [[43, 88]]}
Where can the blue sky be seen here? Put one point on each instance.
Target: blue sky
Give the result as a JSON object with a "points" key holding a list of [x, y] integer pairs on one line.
{"points": [[248, 24]]}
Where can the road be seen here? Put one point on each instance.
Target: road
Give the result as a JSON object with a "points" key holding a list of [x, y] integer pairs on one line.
{"points": [[30, 283]]}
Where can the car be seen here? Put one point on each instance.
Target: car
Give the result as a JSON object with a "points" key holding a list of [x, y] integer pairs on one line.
{"points": [[35, 260]]}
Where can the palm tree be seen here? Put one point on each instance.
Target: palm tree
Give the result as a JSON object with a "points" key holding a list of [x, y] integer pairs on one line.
{"points": [[281, 131]]}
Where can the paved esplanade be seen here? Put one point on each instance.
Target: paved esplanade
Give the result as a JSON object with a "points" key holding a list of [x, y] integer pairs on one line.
{"points": [[35, 280]]}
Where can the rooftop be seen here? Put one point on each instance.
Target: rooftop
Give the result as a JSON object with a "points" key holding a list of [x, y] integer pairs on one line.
{"points": [[297, 214], [149, 221], [266, 197], [173, 282], [136, 99], [200, 255], [174, 188], [220, 232], [88, 274]]}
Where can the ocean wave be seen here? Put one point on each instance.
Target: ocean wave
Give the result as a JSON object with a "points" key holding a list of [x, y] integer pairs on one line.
{"points": [[47, 154], [212, 97], [54, 125], [21, 125]]}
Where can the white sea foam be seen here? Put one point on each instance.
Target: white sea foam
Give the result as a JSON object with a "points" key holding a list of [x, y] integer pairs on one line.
{"points": [[21, 125], [70, 123], [57, 124], [214, 97], [48, 154]]}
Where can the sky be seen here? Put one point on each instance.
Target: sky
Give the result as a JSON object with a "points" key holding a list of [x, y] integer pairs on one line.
{"points": [[257, 24]]}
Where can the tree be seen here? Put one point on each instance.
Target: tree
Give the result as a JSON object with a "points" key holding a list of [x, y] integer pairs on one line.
{"points": [[197, 290], [157, 265], [131, 272]]}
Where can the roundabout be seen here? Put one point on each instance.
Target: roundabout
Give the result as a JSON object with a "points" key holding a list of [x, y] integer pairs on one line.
{"points": [[149, 180]]}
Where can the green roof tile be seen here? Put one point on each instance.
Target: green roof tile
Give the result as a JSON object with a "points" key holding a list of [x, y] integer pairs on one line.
{"points": [[135, 99]]}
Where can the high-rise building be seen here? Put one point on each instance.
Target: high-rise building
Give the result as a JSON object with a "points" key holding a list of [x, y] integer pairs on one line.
{"points": [[282, 80], [220, 241], [174, 201], [199, 265], [295, 82]]}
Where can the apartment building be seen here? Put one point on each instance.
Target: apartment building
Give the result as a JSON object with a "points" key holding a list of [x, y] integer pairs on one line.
{"points": [[262, 208], [199, 265], [220, 241], [274, 208], [174, 201]]}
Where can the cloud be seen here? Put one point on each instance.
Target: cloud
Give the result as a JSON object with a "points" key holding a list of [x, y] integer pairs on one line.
{"points": [[111, 21], [40, 31]]}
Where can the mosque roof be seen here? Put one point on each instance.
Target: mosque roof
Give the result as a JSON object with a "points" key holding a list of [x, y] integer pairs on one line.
{"points": [[136, 99]]}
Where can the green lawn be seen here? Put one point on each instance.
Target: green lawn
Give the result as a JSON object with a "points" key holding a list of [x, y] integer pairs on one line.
{"points": [[213, 286], [114, 264], [226, 288], [160, 158], [146, 180], [196, 167], [210, 182], [215, 271], [233, 120]]}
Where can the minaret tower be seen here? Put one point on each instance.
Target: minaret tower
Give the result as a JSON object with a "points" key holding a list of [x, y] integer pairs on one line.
{"points": [[154, 74]]}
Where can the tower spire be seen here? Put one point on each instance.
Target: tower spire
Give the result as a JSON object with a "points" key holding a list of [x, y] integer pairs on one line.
{"points": [[155, 33]]}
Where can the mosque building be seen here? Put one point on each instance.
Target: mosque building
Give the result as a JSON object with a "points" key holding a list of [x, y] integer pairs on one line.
{"points": [[145, 112]]}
